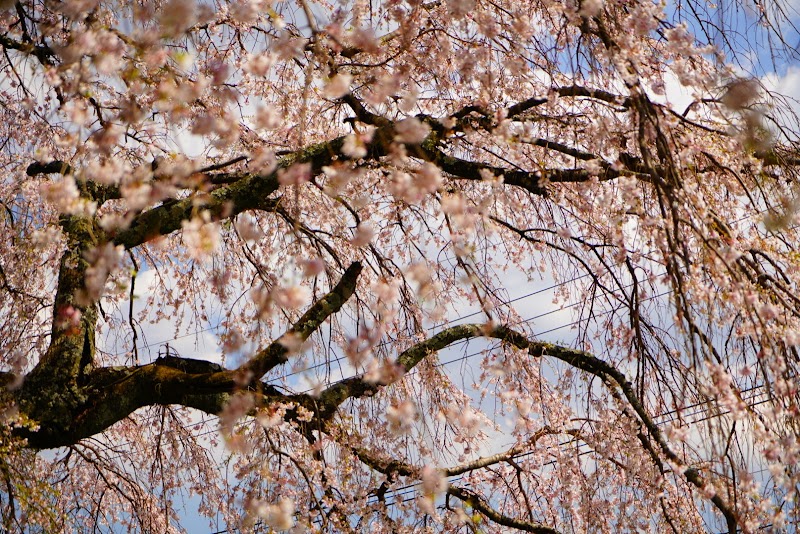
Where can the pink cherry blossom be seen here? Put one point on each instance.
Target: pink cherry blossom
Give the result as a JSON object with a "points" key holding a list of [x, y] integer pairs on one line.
{"points": [[398, 266]]}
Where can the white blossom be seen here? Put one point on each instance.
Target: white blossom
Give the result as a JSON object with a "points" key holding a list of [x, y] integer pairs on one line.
{"points": [[354, 147], [411, 130], [363, 235], [176, 17], [200, 235], [401, 417], [338, 86], [279, 516], [291, 297]]}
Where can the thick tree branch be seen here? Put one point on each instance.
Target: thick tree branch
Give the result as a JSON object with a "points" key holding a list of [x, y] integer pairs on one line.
{"points": [[479, 503], [597, 94], [362, 113], [533, 182], [562, 148], [530, 181], [516, 110], [51, 167], [250, 192], [53, 389], [7, 378], [89, 188], [246, 192], [112, 393], [519, 108], [610, 375], [279, 350], [509, 454], [43, 53]]}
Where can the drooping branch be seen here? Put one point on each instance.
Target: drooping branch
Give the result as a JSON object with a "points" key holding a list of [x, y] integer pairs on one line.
{"points": [[356, 387], [393, 467], [610, 376], [359, 386]]}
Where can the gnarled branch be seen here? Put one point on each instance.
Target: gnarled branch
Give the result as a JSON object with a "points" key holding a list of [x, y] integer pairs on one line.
{"points": [[612, 377], [479, 503]]}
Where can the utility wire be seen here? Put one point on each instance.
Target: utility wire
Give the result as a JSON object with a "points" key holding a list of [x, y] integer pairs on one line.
{"points": [[463, 358]]}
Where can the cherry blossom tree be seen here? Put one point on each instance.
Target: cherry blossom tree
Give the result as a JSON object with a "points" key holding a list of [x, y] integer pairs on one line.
{"points": [[332, 187]]}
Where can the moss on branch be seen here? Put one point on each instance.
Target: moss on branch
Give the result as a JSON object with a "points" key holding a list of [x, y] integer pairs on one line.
{"points": [[68, 412], [54, 388], [278, 351]]}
